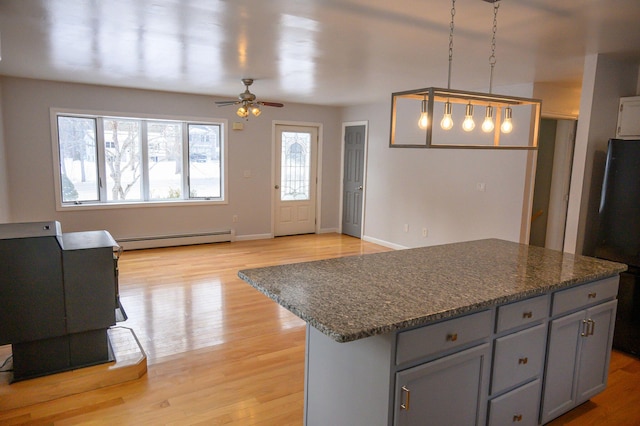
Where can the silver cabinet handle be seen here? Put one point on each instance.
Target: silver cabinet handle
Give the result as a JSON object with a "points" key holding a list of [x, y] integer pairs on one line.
{"points": [[589, 327], [407, 392]]}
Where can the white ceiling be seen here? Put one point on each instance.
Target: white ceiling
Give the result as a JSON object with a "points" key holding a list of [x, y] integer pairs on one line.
{"points": [[329, 52]]}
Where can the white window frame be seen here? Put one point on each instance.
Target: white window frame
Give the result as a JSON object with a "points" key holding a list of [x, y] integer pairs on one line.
{"points": [[103, 204]]}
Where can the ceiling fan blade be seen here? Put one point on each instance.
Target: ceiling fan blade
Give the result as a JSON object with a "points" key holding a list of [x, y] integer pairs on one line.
{"points": [[271, 104], [226, 103]]}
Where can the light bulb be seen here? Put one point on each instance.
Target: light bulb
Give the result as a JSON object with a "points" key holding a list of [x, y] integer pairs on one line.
{"points": [[507, 125], [487, 124], [468, 124], [255, 111], [447, 122], [423, 122], [242, 112]]}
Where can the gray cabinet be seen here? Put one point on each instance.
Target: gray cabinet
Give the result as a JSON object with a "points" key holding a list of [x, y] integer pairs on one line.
{"points": [[518, 361], [487, 367], [579, 348], [447, 391]]}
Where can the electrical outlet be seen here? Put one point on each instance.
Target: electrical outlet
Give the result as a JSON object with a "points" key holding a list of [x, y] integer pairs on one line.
{"points": [[406, 227], [235, 218], [480, 186], [425, 232]]}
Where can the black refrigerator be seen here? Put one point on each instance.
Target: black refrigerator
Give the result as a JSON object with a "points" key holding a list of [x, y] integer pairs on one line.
{"points": [[619, 235]]}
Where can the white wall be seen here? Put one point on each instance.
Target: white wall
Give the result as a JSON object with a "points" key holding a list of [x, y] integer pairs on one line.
{"points": [[30, 170], [436, 189], [4, 181], [604, 81]]}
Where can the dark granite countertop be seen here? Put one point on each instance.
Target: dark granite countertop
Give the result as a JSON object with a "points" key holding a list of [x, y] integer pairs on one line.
{"points": [[350, 298]]}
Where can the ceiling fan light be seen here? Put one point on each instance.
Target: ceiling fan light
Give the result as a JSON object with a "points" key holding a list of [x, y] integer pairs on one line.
{"points": [[242, 112], [255, 111]]}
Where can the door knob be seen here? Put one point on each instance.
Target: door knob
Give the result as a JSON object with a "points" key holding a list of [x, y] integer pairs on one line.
{"points": [[360, 188], [277, 187]]}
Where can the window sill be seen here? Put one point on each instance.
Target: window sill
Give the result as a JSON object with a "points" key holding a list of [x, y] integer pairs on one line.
{"points": [[137, 205]]}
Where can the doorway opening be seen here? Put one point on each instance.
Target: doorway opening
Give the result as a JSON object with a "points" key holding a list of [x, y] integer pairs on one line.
{"points": [[553, 176]]}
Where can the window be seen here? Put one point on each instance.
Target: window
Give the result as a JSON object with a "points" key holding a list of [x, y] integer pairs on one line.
{"points": [[296, 166], [138, 160]]}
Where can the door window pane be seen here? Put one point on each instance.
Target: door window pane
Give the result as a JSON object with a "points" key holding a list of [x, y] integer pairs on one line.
{"points": [[204, 161], [122, 156], [78, 159], [165, 160], [295, 166]]}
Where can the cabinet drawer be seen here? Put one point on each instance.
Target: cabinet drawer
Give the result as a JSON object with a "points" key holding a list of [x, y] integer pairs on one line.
{"points": [[521, 313], [583, 295], [518, 357], [431, 339], [518, 407]]}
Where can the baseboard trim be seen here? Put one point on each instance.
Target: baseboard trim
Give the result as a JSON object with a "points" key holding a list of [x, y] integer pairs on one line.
{"points": [[383, 243]]}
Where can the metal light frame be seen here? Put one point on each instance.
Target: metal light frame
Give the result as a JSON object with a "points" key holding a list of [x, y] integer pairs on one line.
{"points": [[498, 102]]}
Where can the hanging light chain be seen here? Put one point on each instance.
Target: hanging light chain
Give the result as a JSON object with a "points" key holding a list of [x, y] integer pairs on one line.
{"points": [[492, 58], [451, 27]]}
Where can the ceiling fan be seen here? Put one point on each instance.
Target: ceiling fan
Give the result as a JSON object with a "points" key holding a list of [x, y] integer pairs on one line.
{"points": [[247, 101]]}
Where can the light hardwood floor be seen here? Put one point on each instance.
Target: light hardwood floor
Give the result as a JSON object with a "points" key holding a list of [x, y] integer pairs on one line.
{"points": [[219, 352]]}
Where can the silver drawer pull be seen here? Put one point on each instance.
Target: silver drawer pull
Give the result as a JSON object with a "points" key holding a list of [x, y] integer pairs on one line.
{"points": [[527, 314], [407, 392], [452, 337], [517, 418], [523, 360]]}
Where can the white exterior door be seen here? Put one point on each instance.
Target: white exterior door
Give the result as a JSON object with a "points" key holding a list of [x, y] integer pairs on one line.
{"points": [[295, 180]]}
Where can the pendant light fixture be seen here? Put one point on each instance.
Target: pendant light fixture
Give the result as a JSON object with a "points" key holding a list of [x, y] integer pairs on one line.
{"points": [[488, 124], [507, 126], [423, 122], [498, 130], [468, 124], [447, 122]]}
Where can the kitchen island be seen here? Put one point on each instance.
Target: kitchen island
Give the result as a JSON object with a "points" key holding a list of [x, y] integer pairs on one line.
{"points": [[466, 333]]}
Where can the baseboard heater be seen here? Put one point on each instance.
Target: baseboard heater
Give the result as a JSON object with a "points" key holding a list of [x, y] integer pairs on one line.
{"points": [[155, 241]]}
